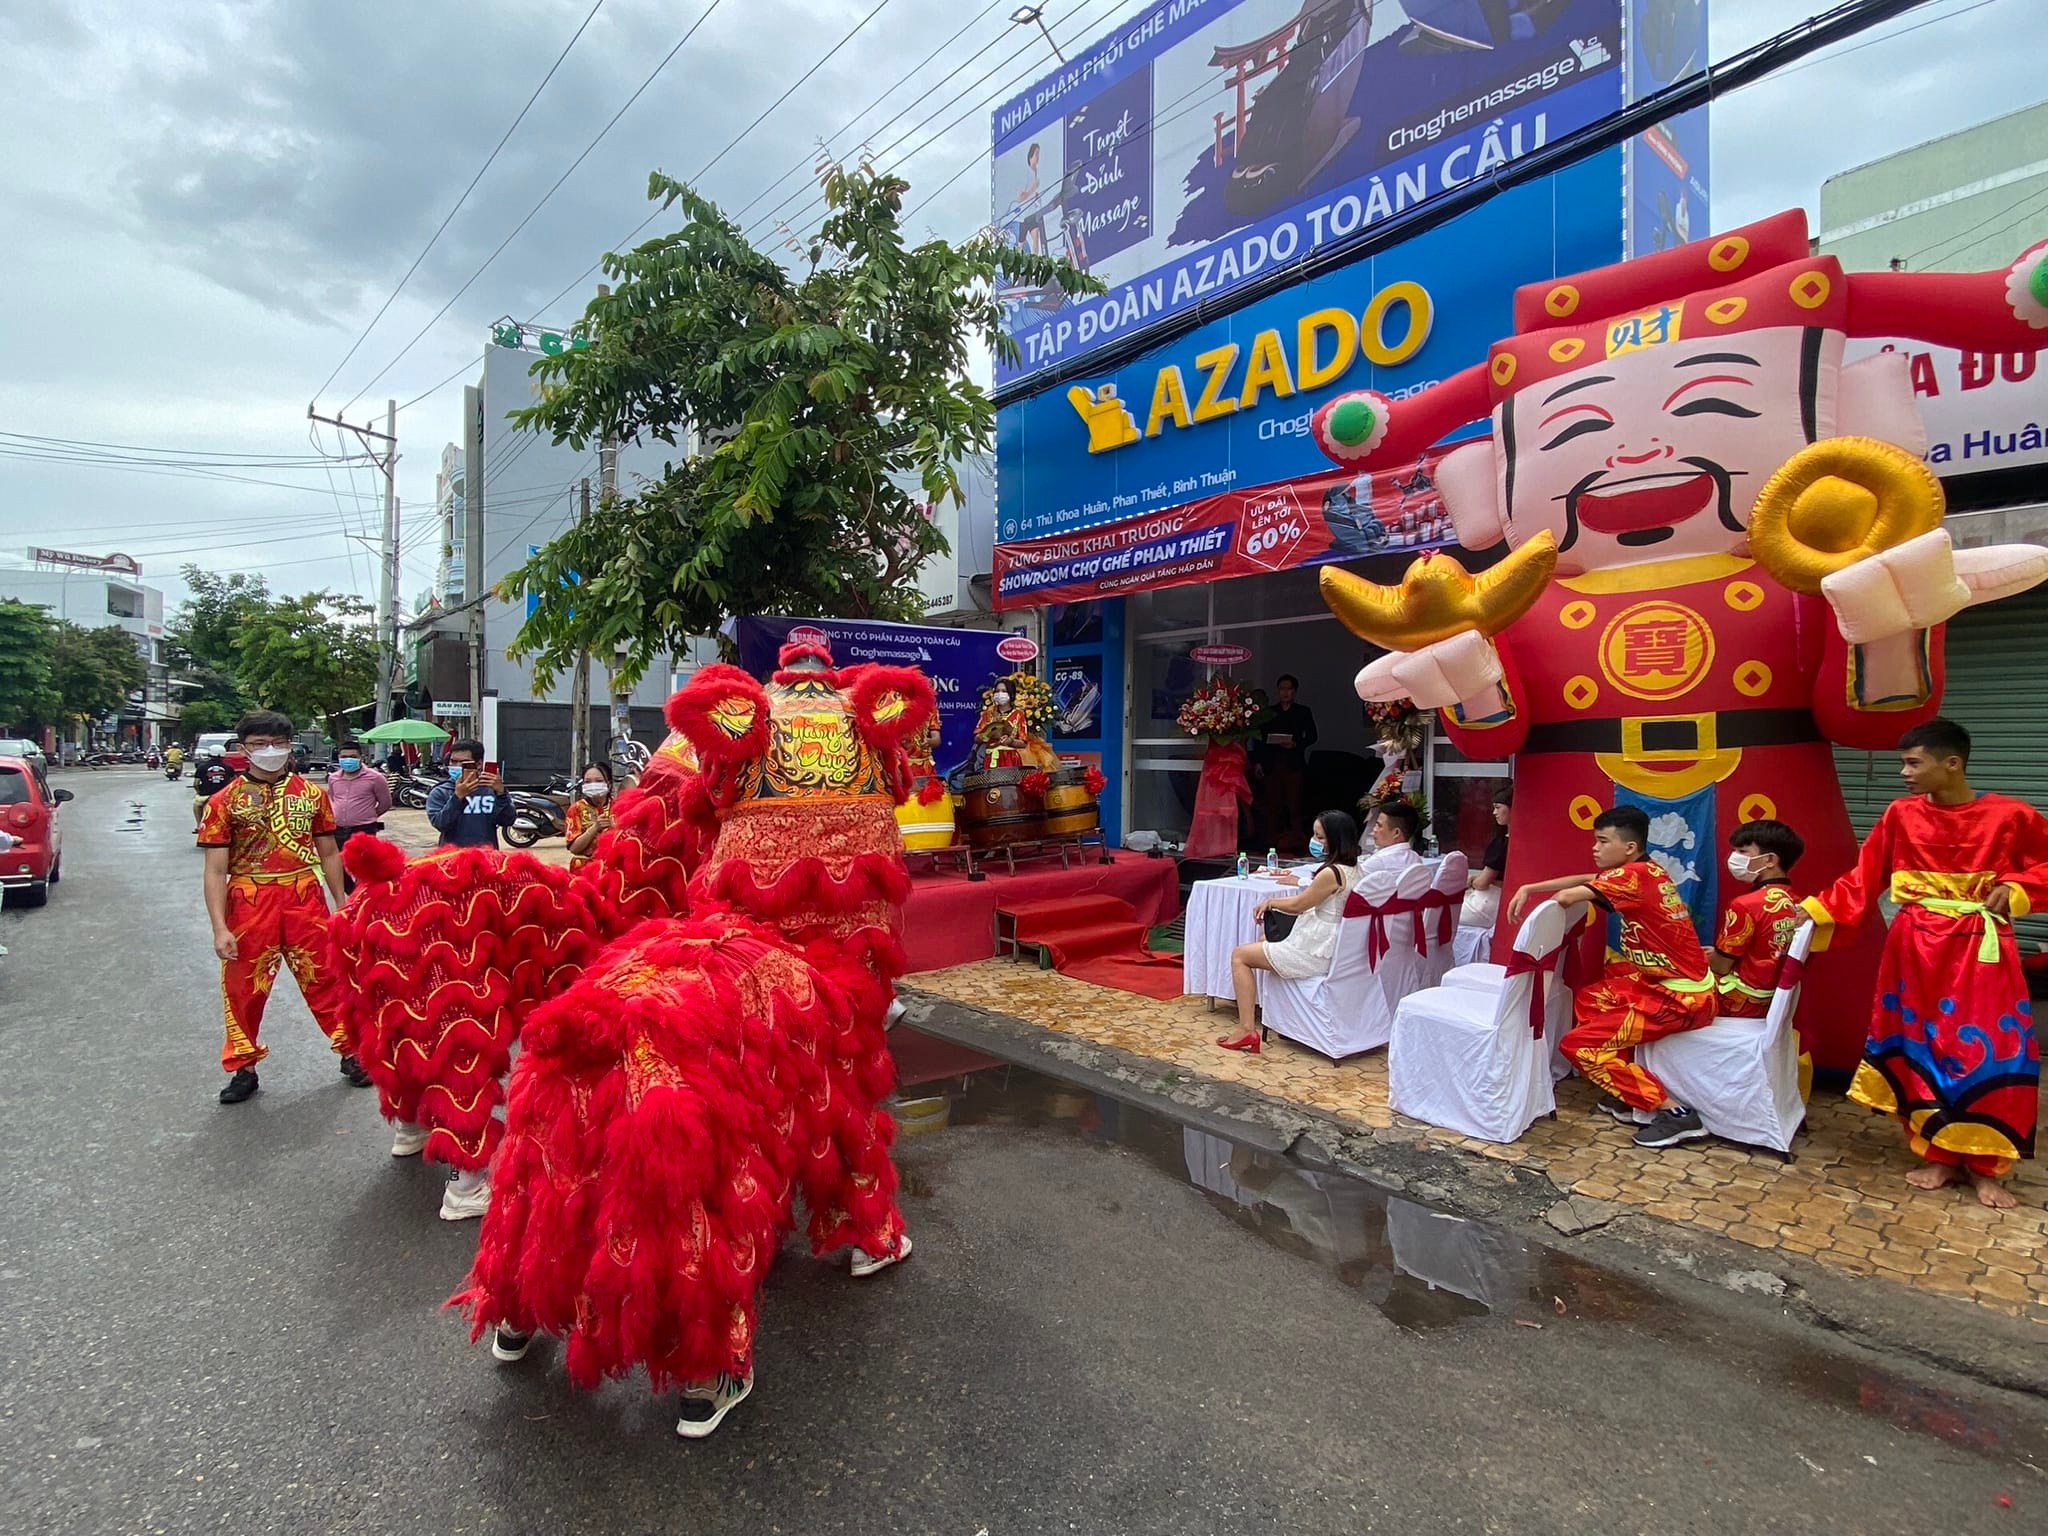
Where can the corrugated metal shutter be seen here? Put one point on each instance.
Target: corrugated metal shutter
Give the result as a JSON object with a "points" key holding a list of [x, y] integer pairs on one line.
{"points": [[1997, 665]]}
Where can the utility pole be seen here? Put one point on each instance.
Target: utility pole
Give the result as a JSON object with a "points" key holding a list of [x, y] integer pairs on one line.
{"points": [[622, 698], [579, 687], [475, 473], [387, 561]]}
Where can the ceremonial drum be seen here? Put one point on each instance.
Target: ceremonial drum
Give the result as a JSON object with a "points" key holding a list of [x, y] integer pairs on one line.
{"points": [[1069, 807], [926, 827], [996, 809]]}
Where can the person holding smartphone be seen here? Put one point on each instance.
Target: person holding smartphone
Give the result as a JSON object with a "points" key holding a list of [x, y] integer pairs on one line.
{"points": [[469, 809]]}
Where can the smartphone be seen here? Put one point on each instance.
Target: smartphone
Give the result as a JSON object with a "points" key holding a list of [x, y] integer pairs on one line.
{"points": [[490, 768]]}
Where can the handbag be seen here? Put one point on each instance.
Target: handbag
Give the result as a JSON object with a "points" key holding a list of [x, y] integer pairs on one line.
{"points": [[1278, 925]]}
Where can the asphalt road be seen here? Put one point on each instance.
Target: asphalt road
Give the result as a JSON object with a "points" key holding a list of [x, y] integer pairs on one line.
{"points": [[227, 1320]]}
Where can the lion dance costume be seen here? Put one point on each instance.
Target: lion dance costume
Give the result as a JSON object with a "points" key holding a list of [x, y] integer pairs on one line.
{"points": [[443, 958], [681, 1078]]}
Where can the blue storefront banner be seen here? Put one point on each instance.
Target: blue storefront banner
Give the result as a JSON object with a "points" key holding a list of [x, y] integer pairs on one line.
{"points": [[959, 662], [1204, 142], [1226, 407], [1669, 200]]}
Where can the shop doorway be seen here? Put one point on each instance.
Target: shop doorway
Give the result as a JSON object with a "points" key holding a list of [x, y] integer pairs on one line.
{"points": [[1281, 620]]}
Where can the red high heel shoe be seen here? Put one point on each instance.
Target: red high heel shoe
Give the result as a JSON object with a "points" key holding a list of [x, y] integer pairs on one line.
{"points": [[1249, 1043]]}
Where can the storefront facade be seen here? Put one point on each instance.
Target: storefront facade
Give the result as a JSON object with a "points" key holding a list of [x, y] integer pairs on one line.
{"points": [[1172, 499]]}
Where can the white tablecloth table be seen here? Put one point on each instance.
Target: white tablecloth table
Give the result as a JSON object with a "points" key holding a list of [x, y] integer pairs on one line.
{"points": [[1219, 918]]}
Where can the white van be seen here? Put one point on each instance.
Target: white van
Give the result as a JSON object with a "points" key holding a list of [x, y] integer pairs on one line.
{"points": [[212, 744]]}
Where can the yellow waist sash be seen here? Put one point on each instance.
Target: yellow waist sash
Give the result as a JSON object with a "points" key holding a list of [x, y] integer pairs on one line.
{"points": [[1952, 895]]}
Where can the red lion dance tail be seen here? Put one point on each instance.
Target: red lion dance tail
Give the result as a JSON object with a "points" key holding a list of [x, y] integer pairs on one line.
{"points": [[441, 957], [664, 1114]]}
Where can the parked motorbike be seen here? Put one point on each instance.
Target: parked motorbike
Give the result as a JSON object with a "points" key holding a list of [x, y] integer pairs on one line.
{"points": [[412, 790], [536, 815]]}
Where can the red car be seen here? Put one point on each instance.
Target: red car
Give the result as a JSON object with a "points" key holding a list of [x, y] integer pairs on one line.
{"points": [[28, 814]]}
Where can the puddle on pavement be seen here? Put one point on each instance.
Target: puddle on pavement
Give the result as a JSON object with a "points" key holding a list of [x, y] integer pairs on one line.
{"points": [[1426, 1270]]}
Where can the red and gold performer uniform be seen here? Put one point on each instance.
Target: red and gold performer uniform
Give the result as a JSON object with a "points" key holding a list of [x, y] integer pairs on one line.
{"points": [[1706, 693], [1756, 930], [1951, 1050], [1658, 984], [580, 815], [276, 909]]}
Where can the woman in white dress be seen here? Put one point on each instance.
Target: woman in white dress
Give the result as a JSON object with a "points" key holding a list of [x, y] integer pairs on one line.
{"points": [[1308, 950]]}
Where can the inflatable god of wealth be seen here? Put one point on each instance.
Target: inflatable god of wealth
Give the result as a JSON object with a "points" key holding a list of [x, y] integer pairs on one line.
{"points": [[1724, 553]]}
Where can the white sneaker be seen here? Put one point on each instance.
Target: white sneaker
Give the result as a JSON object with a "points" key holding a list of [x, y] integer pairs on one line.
{"points": [[459, 1204], [706, 1404], [407, 1140], [865, 1263], [509, 1346]]}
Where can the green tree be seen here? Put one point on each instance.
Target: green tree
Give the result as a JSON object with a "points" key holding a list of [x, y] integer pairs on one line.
{"points": [[824, 394], [313, 657], [197, 716], [202, 633], [28, 696], [93, 670]]}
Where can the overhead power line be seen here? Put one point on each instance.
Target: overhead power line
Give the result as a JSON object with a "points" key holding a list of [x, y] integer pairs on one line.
{"points": [[442, 228], [530, 214]]}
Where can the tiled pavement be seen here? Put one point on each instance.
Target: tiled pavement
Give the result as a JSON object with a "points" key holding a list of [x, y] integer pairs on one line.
{"points": [[1842, 1201]]}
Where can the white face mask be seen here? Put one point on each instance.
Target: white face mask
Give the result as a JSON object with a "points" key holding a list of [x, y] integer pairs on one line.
{"points": [[1742, 866], [594, 791], [269, 759]]}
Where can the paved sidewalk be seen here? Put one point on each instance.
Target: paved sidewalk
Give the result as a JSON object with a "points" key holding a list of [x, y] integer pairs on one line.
{"points": [[1843, 1200]]}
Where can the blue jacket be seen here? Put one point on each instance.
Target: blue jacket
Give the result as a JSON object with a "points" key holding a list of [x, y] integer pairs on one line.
{"points": [[471, 822]]}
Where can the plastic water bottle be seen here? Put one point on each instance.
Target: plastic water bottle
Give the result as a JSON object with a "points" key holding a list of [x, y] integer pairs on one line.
{"points": [[1244, 866], [1272, 861]]}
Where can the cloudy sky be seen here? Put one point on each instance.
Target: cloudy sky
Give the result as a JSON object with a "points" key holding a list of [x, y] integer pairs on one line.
{"points": [[207, 203]]}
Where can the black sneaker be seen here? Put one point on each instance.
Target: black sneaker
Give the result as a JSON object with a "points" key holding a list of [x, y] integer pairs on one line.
{"points": [[353, 1071], [1669, 1126], [509, 1346], [241, 1086], [1627, 1114]]}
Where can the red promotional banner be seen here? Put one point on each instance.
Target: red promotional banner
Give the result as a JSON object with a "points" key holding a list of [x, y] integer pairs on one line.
{"points": [[1341, 515]]}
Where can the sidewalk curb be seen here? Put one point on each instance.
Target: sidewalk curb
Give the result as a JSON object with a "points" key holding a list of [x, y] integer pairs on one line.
{"points": [[1880, 1315]]}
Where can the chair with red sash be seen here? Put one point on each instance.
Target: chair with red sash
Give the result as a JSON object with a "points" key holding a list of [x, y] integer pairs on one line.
{"points": [[1742, 1075], [1440, 915], [1476, 1059], [1381, 952]]}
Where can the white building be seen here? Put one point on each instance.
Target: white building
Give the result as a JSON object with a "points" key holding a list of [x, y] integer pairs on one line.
{"points": [[102, 597]]}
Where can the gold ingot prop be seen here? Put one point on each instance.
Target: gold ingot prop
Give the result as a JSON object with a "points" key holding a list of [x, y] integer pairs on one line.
{"points": [[1439, 598], [1839, 501]]}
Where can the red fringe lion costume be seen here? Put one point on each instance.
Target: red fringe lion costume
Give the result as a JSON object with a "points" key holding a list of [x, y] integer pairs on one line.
{"points": [[701, 1071], [442, 958]]}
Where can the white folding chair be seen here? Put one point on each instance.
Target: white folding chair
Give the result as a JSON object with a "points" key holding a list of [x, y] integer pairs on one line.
{"points": [[1742, 1075], [1440, 916], [1337, 1014], [1476, 1061], [1377, 962]]}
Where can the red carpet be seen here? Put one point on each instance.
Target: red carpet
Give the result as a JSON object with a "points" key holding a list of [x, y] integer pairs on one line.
{"points": [[1098, 939], [951, 921]]}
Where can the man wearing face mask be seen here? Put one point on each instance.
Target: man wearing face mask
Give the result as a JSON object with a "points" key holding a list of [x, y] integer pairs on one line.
{"points": [[470, 808], [1757, 928], [269, 842], [359, 794]]}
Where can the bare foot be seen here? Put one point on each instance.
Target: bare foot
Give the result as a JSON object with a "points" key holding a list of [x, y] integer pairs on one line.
{"points": [[1992, 1193], [1935, 1175]]}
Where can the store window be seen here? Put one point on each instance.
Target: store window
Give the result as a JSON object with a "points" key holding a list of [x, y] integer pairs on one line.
{"points": [[1282, 621]]}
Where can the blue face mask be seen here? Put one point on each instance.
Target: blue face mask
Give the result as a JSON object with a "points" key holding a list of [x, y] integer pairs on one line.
{"points": [[455, 770], [1316, 848], [349, 764]]}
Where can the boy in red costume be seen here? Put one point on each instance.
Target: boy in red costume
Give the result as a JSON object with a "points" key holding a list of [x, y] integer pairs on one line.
{"points": [[1951, 1049], [1657, 985], [269, 840], [1758, 926]]}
